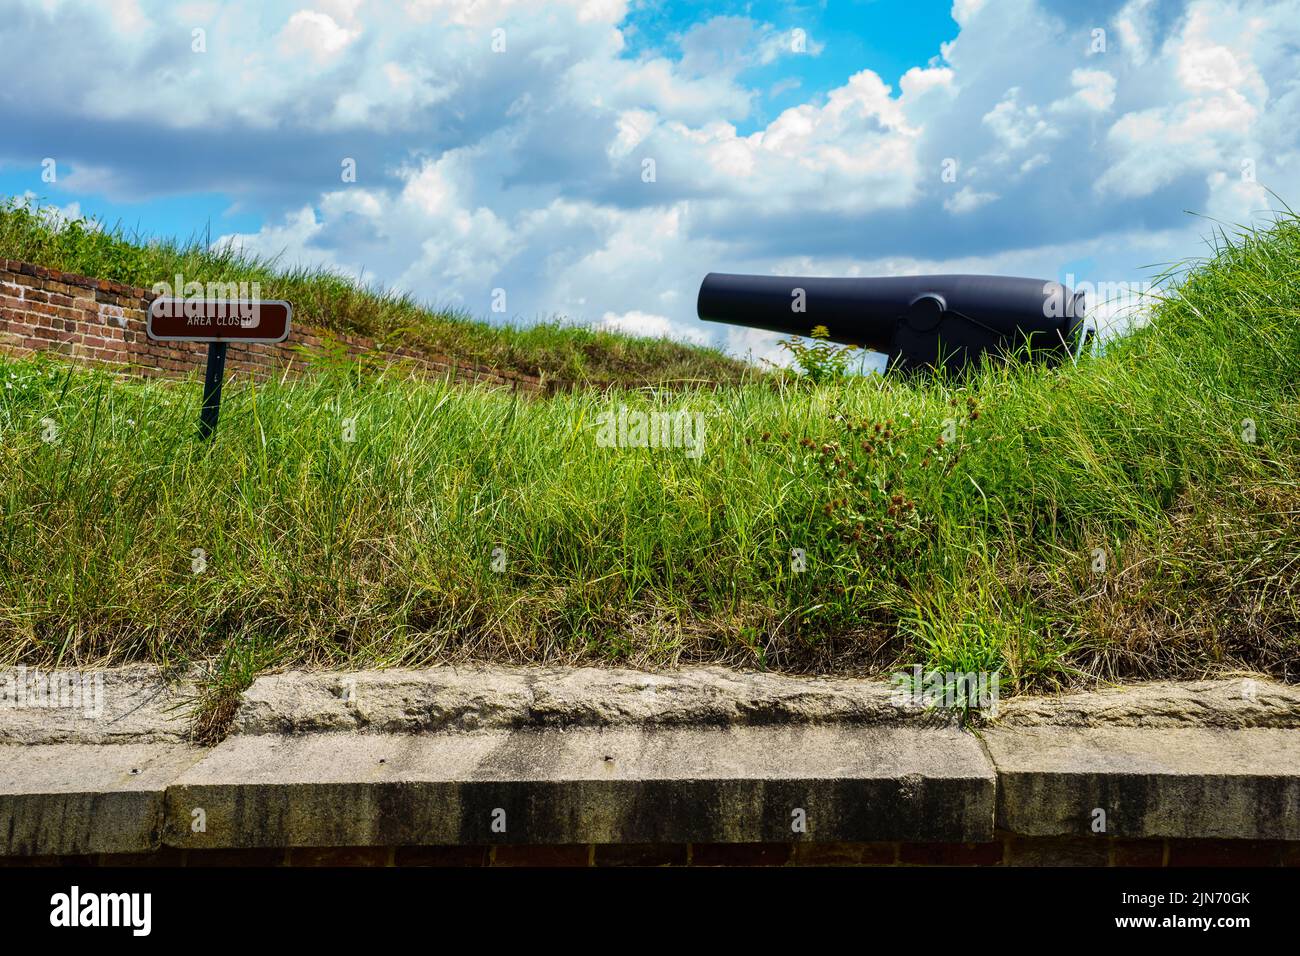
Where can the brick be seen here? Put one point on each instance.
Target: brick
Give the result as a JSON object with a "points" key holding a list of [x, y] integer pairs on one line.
{"points": [[641, 854], [340, 856], [1065, 851], [740, 854], [1138, 853], [238, 857], [576, 854], [46, 861], [442, 856], [845, 854], [1225, 853], [950, 854], [166, 856]]}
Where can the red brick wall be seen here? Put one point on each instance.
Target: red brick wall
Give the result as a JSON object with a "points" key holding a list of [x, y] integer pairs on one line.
{"points": [[93, 320], [1007, 850]]}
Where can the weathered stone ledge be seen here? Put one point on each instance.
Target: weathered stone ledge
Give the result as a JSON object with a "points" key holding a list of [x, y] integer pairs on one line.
{"points": [[500, 756], [624, 785], [1178, 783], [501, 698]]}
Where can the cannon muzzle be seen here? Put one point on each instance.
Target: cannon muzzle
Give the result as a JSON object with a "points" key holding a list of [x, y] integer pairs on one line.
{"points": [[918, 321]]}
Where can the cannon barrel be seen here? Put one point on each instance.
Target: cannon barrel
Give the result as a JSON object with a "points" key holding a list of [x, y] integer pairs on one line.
{"points": [[918, 321]]}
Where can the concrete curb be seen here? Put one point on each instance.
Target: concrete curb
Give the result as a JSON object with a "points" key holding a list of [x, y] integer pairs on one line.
{"points": [[481, 756], [72, 799], [1178, 783], [737, 785]]}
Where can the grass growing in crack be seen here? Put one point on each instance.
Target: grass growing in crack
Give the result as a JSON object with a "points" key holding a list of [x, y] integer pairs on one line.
{"points": [[220, 681], [468, 524], [565, 354]]}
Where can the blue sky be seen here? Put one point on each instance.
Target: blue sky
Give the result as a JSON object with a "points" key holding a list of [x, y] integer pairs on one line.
{"points": [[890, 36], [502, 144]]}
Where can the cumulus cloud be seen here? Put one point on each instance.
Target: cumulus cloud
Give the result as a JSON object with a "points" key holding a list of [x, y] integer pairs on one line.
{"points": [[1015, 125], [1095, 90], [316, 34], [652, 326], [967, 200]]}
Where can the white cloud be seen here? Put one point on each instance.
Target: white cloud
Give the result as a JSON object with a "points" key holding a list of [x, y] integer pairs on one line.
{"points": [[317, 34], [1017, 125], [656, 84], [1133, 24], [1095, 91], [633, 127], [967, 200], [652, 326], [963, 11]]}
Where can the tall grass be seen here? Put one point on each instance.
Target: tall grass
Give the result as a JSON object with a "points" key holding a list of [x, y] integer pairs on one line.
{"points": [[1171, 458], [566, 354]]}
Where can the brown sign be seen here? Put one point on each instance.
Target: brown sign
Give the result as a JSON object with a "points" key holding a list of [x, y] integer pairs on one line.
{"points": [[213, 320]]}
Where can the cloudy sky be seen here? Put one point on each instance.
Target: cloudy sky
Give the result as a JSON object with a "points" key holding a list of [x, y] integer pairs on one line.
{"points": [[595, 158]]}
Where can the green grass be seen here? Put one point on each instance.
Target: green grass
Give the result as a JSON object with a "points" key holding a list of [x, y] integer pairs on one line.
{"points": [[974, 554], [567, 355]]}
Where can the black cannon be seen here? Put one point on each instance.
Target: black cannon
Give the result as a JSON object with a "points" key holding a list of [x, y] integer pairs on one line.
{"points": [[920, 322]]}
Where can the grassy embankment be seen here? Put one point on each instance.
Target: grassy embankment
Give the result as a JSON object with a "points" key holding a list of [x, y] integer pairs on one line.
{"points": [[565, 354], [1173, 456]]}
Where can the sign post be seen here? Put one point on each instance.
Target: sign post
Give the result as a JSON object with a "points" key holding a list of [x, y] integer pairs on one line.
{"points": [[217, 322], [212, 379]]}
